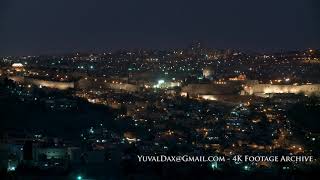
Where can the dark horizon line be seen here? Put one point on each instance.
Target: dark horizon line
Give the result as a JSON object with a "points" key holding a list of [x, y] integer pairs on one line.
{"points": [[114, 50]]}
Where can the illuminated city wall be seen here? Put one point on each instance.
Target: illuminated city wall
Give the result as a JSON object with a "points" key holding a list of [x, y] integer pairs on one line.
{"points": [[209, 89], [91, 83], [44, 83], [295, 89], [123, 86]]}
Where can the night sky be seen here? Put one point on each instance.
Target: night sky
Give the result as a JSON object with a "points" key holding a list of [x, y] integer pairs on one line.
{"points": [[31, 27]]}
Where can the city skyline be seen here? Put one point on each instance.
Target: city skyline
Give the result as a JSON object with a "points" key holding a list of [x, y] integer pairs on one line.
{"points": [[140, 89]]}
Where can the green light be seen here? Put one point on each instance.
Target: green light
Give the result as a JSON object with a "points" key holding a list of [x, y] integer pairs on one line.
{"points": [[79, 177], [161, 81], [214, 165], [246, 168], [11, 168]]}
